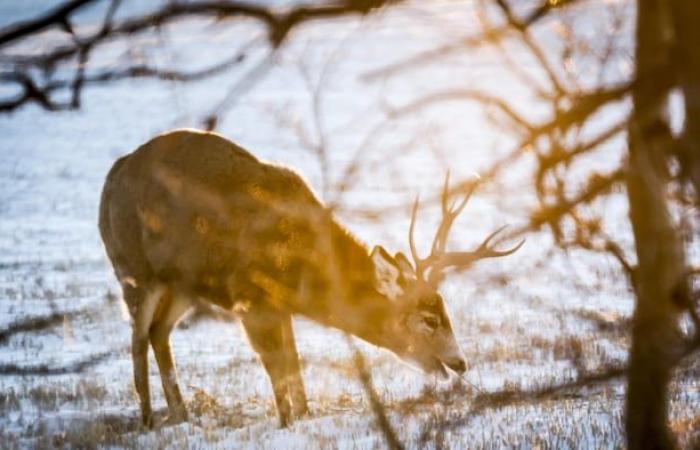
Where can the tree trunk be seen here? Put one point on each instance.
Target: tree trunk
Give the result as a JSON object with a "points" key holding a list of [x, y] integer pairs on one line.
{"points": [[659, 280], [686, 18]]}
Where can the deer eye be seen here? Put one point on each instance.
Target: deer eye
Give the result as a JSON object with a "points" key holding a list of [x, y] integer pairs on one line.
{"points": [[431, 321]]}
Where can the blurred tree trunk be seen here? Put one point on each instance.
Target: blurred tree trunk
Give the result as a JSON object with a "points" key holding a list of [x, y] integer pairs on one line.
{"points": [[659, 281], [686, 21]]}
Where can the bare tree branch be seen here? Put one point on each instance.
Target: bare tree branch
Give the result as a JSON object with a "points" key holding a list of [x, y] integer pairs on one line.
{"points": [[56, 17], [375, 403], [47, 369], [277, 22], [489, 36]]}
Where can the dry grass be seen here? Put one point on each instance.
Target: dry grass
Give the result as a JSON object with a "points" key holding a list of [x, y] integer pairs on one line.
{"points": [[515, 392]]}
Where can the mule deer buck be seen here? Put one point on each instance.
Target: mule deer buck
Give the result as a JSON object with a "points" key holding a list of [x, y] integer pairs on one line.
{"points": [[191, 217]]}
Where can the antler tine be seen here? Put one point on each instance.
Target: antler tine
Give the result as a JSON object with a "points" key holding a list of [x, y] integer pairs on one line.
{"points": [[489, 252], [499, 253], [452, 210], [462, 260], [411, 242], [485, 243], [444, 197], [449, 214], [438, 260]]}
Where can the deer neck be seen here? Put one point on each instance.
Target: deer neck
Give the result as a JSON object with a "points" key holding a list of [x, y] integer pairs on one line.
{"points": [[342, 295]]}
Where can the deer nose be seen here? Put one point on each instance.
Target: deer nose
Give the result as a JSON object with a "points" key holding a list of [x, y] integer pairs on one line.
{"points": [[458, 365]]}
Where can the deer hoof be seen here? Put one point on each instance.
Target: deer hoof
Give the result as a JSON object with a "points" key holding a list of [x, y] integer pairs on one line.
{"points": [[301, 412], [175, 417], [284, 422], [147, 421]]}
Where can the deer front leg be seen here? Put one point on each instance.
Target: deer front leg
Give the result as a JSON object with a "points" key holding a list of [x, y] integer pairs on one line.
{"points": [[297, 394], [263, 325]]}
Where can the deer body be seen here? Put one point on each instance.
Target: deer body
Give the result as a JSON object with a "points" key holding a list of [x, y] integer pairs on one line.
{"points": [[190, 216]]}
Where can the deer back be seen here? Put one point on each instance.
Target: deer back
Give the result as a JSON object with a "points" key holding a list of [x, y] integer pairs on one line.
{"points": [[195, 210]]}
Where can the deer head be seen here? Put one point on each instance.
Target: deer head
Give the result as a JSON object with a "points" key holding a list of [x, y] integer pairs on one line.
{"points": [[423, 330]]}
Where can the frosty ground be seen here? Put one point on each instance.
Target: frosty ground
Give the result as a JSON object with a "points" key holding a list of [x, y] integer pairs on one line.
{"points": [[533, 320]]}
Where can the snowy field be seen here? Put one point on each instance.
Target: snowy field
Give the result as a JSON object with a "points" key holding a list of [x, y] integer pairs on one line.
{"points": [[535, 318]]}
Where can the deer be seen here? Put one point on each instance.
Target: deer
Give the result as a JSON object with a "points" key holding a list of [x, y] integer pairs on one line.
{"points": [[191, 218]]}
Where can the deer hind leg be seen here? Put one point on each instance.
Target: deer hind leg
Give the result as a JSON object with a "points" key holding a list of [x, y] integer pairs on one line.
{"points": [[142, 305], [297, 394], [171, 308], [264, 327]]}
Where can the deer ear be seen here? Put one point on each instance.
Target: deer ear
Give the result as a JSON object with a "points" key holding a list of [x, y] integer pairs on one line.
{"points": [[386, 273], [405, 266]]}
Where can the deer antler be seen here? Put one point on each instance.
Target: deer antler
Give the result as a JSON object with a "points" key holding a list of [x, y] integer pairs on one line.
{"points": [[439, 260]]}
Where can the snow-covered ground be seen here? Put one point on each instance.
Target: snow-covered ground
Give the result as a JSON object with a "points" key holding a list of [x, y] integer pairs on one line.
{"points": [[524, 321]]}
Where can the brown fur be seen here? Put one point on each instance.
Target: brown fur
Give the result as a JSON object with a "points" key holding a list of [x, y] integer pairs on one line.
{"points": [[190, 215]]}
